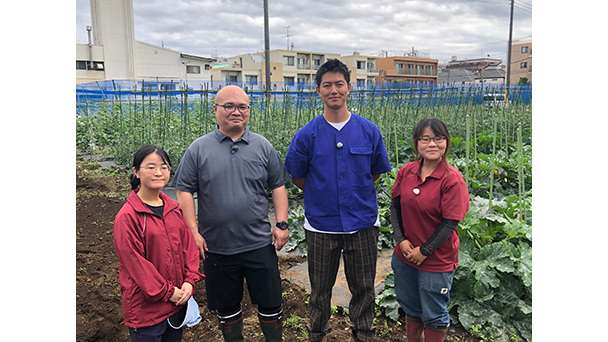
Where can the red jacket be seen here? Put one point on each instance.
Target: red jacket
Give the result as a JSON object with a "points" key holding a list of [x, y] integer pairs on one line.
{"points": [[155, 254]]}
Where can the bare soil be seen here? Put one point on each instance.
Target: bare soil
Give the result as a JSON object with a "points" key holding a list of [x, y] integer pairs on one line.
{"points": [[99, 317]]}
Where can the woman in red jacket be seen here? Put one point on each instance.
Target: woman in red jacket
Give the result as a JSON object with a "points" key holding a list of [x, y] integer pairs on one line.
{"points": [[429, 198], [158, 256]]}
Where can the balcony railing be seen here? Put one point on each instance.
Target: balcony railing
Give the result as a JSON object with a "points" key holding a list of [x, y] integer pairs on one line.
{"points": [[303, 66], [425, 72]]}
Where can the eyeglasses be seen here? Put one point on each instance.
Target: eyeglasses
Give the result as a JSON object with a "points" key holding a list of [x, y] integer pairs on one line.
{"points": [[437, 139], [231, 108], [154, 168]]}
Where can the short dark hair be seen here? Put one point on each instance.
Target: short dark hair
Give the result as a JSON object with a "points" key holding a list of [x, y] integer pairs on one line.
{"points": [[439, 128], [139, 157], [332, 65]]}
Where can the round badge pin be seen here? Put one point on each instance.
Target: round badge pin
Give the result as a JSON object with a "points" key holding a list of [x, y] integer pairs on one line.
{"points": [[416, 191]]}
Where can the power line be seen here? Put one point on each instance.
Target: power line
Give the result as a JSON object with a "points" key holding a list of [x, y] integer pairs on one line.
{"points": [[475, 45], [522, 8], [488, 2], [519, 4], [525, 4]]}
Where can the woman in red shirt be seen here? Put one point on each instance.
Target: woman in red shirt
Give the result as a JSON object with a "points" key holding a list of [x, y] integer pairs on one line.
{"points": [[429, 198], [158, 257]]}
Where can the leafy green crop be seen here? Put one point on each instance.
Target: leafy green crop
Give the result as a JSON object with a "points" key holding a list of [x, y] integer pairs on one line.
{"points": [[386, 301], [297, 236], [493, 282]]}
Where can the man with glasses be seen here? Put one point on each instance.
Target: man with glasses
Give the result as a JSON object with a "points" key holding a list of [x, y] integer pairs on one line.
{"points": [[229, 170]]}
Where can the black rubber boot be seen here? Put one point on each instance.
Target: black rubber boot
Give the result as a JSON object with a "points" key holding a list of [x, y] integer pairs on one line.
{"points": [[232, 327], [271, 322], [273, 330]]}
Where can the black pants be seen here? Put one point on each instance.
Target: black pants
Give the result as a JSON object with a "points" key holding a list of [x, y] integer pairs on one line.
{"points": [[225, 275], [160, 332]]}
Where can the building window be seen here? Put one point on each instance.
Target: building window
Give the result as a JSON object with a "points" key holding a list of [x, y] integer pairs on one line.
{"points": [[303, 63], [288, 60], [360, 65], [316, 63], [251, 79], [89, 65], [524, 49], [231, 78], [193, 69], [523, 65], [289, 79]]}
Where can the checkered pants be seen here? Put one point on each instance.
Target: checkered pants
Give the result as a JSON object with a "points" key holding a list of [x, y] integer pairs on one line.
{"points": [[360, 254]]}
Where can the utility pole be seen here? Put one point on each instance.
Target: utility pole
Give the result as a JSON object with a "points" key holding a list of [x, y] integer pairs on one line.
{"points": [[266, 47], [508, 80]]}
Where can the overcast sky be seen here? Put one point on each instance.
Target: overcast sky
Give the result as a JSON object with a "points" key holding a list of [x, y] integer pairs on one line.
{"points": [[440, 28]]}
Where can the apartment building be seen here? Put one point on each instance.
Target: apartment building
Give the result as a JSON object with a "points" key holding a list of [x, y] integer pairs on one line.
{"points": [[407, 69], [242, 68], [521, 61], [289, 68], [297, 66], [363, 70]]}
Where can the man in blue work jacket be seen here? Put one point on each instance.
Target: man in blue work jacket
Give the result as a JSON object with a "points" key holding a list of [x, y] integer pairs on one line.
{"points": [[335, 159]]}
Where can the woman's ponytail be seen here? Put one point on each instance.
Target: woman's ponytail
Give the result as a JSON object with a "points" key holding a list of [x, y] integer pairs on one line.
{"points": [[134, 181]]}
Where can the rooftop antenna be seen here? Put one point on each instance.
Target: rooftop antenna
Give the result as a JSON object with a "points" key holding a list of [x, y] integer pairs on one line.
{"points": [[288, 35]]}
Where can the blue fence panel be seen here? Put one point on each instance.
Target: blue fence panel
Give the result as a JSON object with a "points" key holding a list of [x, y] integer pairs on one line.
{"points": [[425, 94]]}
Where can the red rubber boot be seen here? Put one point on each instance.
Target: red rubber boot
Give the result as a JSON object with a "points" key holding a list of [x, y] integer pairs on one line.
{"points": [[414, 329], [435, 334]]}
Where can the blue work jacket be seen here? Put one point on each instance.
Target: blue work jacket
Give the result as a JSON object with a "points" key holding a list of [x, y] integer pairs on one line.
{"points": [[339, 192]]}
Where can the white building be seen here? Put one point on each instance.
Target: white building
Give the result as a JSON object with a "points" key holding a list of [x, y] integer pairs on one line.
{"points": [[113, 53]]}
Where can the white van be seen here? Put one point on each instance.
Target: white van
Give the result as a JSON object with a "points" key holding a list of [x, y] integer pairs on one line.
{"points": [[494, 99]]}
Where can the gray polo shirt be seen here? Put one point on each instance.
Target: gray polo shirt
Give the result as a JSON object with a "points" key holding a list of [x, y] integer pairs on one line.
{"points": [[230, 179]]}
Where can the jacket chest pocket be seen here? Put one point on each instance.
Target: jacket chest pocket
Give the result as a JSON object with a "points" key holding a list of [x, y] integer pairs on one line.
{"points": [[360, 158]]}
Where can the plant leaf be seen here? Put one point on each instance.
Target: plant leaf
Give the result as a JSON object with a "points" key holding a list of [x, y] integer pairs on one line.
{"points": [[525, 263]]}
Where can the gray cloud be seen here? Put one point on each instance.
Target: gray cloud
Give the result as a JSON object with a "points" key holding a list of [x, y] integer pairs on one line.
{"points": [[442, 28]]}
